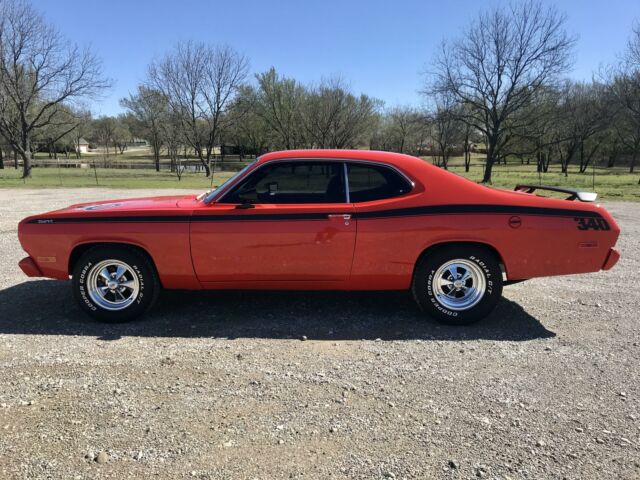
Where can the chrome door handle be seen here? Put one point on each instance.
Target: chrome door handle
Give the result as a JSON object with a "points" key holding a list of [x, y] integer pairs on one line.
{"points": [[344, 216]]}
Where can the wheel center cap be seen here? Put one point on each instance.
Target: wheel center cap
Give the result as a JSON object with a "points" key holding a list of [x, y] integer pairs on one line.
{"points": [[458, 284], [112, 285]]}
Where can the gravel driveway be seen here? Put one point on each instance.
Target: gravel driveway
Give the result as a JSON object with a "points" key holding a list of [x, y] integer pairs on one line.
{"points": [[319, 385]]}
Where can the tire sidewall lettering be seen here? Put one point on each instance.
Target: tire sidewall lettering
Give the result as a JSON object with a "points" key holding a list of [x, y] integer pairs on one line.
{"points": [[487, 273]]}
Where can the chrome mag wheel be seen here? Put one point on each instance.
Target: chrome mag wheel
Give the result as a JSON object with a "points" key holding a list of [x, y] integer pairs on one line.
{"points": [[113, 285], [459, 284]]}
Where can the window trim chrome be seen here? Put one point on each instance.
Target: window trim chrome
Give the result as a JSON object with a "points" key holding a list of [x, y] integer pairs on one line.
{"points": [[346, 181], [344, 161]]}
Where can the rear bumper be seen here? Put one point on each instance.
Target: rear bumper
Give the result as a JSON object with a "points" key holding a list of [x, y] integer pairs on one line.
{"points": [[611, 260], [29, 267]]}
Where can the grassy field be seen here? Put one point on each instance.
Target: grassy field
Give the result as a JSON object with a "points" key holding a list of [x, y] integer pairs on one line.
{"points": [[109, 177], [609, 183], [614, 183]]}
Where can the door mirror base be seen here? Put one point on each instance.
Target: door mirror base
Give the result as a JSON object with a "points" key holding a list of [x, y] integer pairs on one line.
{"points": [[245, 205]]}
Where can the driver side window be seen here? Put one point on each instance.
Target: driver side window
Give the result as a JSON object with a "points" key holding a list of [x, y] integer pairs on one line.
{"points": [[292, 182]]}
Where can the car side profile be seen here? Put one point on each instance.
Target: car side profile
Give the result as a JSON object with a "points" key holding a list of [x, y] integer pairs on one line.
{"points": [[322, 220]]}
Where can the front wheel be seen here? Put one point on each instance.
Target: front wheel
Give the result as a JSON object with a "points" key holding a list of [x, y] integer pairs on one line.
{"points": [[114, 283], [458, 284]]}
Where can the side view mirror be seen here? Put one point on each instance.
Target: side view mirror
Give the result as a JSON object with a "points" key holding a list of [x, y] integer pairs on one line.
{"points": [[247, 199], [246, 203]]}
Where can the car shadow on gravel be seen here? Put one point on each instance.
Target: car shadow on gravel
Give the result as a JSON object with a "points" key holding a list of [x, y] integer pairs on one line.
{"points": [[46, 307]]}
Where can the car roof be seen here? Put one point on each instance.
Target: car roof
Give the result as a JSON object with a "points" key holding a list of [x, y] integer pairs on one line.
{"points": [[390, 158]]}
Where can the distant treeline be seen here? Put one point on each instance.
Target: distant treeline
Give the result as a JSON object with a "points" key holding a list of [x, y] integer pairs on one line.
{"points": [[500, 89]]}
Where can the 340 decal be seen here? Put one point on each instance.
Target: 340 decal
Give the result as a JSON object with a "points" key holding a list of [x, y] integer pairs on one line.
{"points": [[592, 223]]}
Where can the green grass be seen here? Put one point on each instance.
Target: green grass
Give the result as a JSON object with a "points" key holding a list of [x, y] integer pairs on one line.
{"points": [[108, 177], [612, 184]]}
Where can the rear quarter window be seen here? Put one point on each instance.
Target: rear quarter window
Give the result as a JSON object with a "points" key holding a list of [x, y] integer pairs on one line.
{"points": [[373, 182]]}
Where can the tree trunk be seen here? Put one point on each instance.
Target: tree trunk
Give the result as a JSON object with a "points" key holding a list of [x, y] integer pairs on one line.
{"points": [[492, 143], [583, 167], [633, 161], [205, 162], [156, 152], [173, 157], [547, 160], [491, 159], [26, 157], [486, 178], [1, 160]]}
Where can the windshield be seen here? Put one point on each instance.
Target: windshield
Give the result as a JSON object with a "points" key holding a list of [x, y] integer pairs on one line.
{"points": [[208, 196]]}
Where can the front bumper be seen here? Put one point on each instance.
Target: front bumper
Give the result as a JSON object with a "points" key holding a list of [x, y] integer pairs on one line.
{"points": [[29, 267], [612, 258]]}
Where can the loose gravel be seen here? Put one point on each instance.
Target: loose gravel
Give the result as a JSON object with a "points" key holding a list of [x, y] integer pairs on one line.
{"points": [[266, 385]]}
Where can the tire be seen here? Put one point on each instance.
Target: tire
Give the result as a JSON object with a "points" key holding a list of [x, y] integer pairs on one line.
{"points": [[466, 301], [115, 284]]}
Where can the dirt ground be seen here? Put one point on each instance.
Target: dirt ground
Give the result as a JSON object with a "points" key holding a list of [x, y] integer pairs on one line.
{"points": [[224, 385]]}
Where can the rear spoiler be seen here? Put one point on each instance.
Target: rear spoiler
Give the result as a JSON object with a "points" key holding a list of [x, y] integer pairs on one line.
{"points": [[573, 193]]}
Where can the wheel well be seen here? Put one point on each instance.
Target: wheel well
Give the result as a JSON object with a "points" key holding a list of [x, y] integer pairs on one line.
{"points": [[491, 248], [79, 250]]}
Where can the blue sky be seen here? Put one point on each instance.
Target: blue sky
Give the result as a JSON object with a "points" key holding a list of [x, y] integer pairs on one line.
{"points": [[379, 47]]}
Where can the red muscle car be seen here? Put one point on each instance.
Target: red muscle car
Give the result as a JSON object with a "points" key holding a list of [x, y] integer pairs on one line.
{"points": [[322, 219]]}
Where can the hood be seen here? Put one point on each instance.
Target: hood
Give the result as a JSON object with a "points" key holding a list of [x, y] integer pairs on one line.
{"points": [[168, 205], [129, 204]]}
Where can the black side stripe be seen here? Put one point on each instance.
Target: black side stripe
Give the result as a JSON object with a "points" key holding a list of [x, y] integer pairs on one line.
{"points": [[399, 212], [478, 209]]}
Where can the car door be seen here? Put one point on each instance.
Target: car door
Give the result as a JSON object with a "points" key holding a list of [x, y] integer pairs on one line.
{"points": [[384, 255], [286, 221]]}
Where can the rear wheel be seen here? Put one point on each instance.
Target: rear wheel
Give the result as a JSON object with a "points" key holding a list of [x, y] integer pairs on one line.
{"points": [[115, 283], [458, 284]]}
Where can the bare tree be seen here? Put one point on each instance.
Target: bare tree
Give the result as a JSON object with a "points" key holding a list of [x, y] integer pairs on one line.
{"points": [[279, 102], [171, 134], [121, 135], [104, 132], [56, 135], [149, 107], [505, 57], [447, 129], [39, 72], [249, 131], [624, 83], [334, 117], [404, 126], [83, 118], [200, 83], [585, 115]]}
